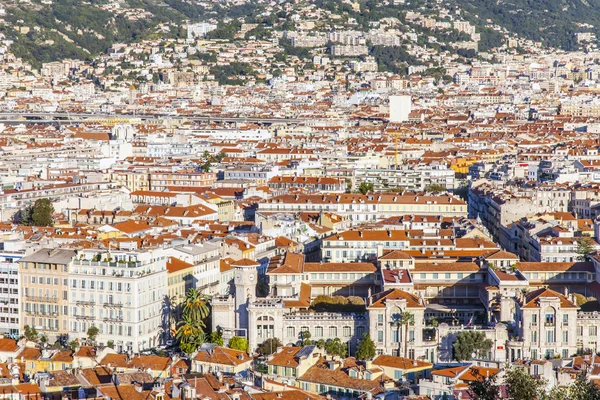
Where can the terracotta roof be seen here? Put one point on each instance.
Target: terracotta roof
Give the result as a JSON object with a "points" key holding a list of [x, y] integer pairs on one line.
{"points": [[321, 373], [30, 353], [532, 298], [340, 267], [501, 255], [446, 267], [155, 363], [8, 345], [400, 362], [132, 226], [175, 265], [114, 360], [303, 300], [555, 266], [245, 262], [379, 300], [286, 357], [396, 255], [223, 356]]}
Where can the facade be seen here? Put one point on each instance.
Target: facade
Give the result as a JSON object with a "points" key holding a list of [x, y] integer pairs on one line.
{"points": [[44, 284], [123, 297]]}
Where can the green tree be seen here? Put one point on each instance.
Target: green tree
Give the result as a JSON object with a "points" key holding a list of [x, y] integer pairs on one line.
{"points": [[556, 393], [435, 187], [216, 338], [30, 333], [583, 389], [366, 348], [336, 347], [23, 217], [110, 344], [92, 333], [269, 346], [42, 213], [585, 247], [305, 336], [469, 343], [484, 388], [365, 187], [238, 343], [520, 385], [188, 348], [73, 345]]}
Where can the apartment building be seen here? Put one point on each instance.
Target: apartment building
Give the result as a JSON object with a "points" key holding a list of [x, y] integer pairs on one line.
{"points": [[161, 180], [122, 296], [370, 207], [44, 283], [10, 297]]}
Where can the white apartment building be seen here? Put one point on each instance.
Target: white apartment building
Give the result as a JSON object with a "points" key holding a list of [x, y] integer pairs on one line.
{"points": [[9, 292], [207, 267], [121, 295]]}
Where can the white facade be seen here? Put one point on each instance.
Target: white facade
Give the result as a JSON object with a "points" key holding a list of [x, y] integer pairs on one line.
{"points": [[400, 107], [122, 297]]}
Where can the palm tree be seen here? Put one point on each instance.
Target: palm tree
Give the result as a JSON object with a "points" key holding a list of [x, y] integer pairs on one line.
{"points": [[196, 305], [434, 324], [406, 318], [190, 331]]}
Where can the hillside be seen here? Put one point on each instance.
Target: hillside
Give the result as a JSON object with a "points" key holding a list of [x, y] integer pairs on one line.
{"points": [[552, 22], [82, 29], [60, 29]]}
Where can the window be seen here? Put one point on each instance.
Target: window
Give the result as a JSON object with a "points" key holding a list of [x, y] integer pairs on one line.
{"points": [[447, 276], [380, 318], [592, 330], [291, 331], [550, 336], [549, 319], [435, 276], [534, 319], [534, 336], [360, 331], [333, 332], [380, 336], [347, 331], [565, 319], [565, 336], [319, 331]]}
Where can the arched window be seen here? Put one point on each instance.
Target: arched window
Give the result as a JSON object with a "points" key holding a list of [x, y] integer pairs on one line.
{"points": [[291, 332], [332, 332]]}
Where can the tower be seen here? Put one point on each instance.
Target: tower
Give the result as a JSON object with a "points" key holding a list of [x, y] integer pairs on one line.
{"points": [[246, 272]]}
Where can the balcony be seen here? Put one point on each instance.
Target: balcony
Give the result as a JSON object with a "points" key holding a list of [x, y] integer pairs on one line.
{"points": [[113, 305], [113, 319], [85, 317], [42, 299], [85, 303], [41, 314]]}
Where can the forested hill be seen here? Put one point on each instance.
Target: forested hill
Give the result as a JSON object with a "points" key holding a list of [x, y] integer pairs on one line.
{"points": [[81, 29], [552, 22], [48, 30]]}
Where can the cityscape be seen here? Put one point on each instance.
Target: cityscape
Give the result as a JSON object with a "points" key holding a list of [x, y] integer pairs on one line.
{"points": [[299, 200]]}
